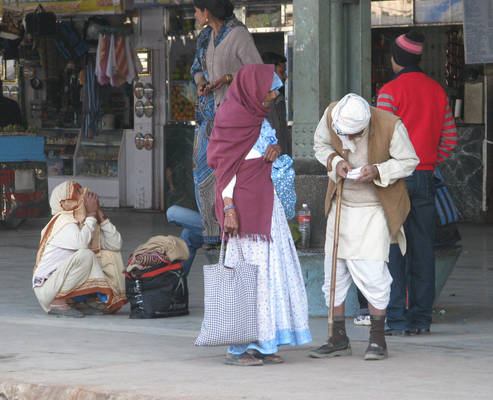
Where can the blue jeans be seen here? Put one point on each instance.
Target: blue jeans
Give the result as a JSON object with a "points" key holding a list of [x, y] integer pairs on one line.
{"points": [[192, 233], [415, 271]]}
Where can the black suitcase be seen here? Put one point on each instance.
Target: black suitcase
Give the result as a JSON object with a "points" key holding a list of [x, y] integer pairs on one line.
{"points": [[157, 292]]}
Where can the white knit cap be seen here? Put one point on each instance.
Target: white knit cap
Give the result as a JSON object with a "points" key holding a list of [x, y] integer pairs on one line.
{"points": [[349, 116]]}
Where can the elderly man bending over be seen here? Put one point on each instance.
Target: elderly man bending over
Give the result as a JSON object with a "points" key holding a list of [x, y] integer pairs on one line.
{"points": [[370, 149], [78, 267]]}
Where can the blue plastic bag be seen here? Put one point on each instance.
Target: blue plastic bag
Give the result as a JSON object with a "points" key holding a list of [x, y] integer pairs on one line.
{"points": [[282, 176]]}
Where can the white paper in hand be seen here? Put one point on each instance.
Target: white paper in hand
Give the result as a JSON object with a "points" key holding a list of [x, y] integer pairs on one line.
{"points": [[354, 173]]}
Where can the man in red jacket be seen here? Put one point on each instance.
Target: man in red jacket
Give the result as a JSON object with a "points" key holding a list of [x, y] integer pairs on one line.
{"points": [[423, 106]]}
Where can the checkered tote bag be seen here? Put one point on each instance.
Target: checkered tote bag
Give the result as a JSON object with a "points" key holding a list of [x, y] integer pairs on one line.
{"points": [[230, 303]]}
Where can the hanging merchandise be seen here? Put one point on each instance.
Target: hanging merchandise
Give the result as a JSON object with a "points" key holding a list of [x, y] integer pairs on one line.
{"points": [[11, 26], [111, 64], [41, 23], [92, 27], [134, 65], [71, 86], [51, 59], [68, 41], [10, 49], [102, 53], [116, 62], [139, 90], [91, 101]]}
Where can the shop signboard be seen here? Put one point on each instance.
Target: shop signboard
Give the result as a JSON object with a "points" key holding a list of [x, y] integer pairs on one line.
{"points": [[67, 6], [394, 12], [164, 3], [478, 31], [438, 11]]}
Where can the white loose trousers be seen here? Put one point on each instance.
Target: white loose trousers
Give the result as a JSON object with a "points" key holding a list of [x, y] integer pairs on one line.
{"points": [[370, 276]]}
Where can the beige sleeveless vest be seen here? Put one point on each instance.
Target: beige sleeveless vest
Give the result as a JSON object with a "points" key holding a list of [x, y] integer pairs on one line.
{"points": [[394, 198]]}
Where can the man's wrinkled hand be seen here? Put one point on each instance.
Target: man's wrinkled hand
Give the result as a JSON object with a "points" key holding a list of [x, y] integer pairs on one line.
{"points": [[368, 174], [342, 168]]}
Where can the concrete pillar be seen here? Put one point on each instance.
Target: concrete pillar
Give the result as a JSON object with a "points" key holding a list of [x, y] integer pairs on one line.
{"points": [[332, 56], [311, 64]]}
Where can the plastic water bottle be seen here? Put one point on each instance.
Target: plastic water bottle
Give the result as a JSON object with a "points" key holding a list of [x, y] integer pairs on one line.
{"points": [[304, 219]]}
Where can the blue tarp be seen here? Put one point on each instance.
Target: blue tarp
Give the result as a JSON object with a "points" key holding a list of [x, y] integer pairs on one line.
{"points": [[22, 148]]}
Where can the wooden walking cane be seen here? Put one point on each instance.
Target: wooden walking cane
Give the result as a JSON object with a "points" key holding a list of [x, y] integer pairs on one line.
{"points": [[334, 257]]}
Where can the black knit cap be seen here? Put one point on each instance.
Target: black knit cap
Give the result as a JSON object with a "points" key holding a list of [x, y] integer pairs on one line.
{"points": [[407, 48]]}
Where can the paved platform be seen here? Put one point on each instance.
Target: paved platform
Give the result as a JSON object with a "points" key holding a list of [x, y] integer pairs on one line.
{"points": [[113, 357]]}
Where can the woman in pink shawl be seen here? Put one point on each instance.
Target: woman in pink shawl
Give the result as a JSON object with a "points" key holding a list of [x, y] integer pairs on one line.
{"points": [[241, 151]]}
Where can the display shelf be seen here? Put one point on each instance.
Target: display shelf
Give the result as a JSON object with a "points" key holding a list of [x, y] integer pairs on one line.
{"points": [[93, 163], [98, 157], [60, 145]]}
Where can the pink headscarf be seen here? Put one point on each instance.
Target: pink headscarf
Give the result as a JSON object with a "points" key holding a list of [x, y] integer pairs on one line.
{"points": [[236, 129]]}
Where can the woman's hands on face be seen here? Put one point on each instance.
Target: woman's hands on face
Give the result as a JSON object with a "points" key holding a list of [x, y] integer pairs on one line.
{"points": [[272, 153], [91, 202]]}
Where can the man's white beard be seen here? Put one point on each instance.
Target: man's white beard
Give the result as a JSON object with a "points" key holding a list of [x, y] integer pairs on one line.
{"points": [[347, 143]]}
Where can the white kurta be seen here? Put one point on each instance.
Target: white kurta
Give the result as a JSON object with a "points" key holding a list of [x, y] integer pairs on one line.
{"points": [[67, 265], [70, 239], [364, 232]]}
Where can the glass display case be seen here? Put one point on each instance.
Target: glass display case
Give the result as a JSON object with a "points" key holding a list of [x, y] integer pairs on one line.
{"points": [[60, 147], [98, 157], [182, 94]]}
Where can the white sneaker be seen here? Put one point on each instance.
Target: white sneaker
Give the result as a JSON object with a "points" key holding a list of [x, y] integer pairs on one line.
{"points": [[362, 320]]}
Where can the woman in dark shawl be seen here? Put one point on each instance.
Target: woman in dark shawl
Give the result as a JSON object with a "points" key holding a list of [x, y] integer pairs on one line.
{"points": [[241, 151]]}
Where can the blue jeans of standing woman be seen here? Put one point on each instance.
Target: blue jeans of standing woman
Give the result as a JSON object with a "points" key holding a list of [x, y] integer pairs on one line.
{"points": [[416, 269], [191, 221]]}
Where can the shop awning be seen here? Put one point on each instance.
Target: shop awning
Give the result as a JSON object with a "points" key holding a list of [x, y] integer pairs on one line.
{"points": [[68, 7], [171, 3]]}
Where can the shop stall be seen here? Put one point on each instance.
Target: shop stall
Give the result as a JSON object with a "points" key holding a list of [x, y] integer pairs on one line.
{"points": [[442, 23], [271, 24], [23, 178], [72, 73]]}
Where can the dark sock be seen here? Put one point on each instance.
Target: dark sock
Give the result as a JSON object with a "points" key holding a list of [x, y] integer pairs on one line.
{"points": [[339, 331], [377, 330]]}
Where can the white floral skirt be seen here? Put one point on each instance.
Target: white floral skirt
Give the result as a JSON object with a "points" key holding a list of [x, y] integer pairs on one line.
{"points": [[282, 309]]}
